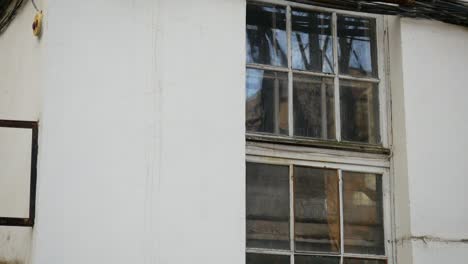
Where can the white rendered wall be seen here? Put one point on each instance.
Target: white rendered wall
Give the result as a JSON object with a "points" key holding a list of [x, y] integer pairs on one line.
{"points": [[142, 133], [95, 133], [142, 136], [201, 215], [20, 85], [432, 111]]}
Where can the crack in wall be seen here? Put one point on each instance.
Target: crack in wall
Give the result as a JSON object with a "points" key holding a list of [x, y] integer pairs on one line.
{"points": [[426, 239]]}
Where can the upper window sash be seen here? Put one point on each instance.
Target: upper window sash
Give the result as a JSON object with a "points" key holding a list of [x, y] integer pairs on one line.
{"points": [[343, 104]]}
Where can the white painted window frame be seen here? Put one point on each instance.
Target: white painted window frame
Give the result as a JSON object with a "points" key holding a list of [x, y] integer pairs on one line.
{"points": [[380, 80], [273, 152]]}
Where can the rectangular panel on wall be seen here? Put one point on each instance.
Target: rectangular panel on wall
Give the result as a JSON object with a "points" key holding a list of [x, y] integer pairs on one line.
{"points": [[18, 158]]}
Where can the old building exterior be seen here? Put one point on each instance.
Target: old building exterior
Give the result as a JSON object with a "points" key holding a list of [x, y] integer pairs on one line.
{"points": [[333, 136]]}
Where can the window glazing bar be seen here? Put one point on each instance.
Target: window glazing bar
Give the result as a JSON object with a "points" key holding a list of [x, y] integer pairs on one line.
{"points": [[340, 191], [337, 79], [290, 75], [291, 211], [318, 74], [360, 79], [266, 67]]}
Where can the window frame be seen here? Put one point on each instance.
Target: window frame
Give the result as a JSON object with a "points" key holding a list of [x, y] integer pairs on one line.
{"points": [[381, 80], [34, 127], [291, 150], [257, 153]]}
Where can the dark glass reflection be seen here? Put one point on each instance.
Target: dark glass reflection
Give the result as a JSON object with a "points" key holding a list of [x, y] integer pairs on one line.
{"points": [[314, 107], [266, 259], [311, 41], [266, 34], [360, 120], [316, 260], [363, 261], [357, 50], [363, 214], [316, 208], [267, 101], [267, 206]]}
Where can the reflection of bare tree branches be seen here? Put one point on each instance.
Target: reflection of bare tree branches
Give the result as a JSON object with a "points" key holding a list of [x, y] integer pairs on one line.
{"points": [[324, 49], [302, 49]]}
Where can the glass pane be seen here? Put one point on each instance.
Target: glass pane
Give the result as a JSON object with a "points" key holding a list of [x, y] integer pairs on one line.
{"points": [[267, 101], [317, 217], [357, 51], [363, 213], [312, 42], [267, 259], [316, 260], [363, 261], [360, 111], [267, 206], [314, 107], [266, 35]]}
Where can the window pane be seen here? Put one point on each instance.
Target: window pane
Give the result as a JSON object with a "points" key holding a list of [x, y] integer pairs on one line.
{"points": [[267, 101], [316, 260], [363, 261], [311, 40], [267, 259], [317, 217], [266, 35], [314, 108], [363, 214], [357, 51], [267, 206], [359, 111]]}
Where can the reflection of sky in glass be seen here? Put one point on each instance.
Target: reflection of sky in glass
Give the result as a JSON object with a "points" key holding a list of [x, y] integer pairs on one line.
{"points": [[299, 63], [254, 82], [312, 31], [276, 45], [358, 34], [266, 35], [361, 55], [275, 56]]}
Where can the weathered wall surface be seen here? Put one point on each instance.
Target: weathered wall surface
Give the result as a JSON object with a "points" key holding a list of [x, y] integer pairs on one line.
{"points": [[20, 80], [141, 155], [142, 133], [200, 64], [434, 57], [96, 133], [402, 225]]}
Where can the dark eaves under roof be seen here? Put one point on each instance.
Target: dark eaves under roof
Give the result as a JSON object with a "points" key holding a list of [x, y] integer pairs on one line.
{"points": [[8, 11], [449, 11]]}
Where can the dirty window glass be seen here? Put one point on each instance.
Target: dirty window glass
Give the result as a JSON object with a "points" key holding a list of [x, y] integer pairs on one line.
{"points": [[316, 260], [359, 111], [314, 107], [363, 214], [363, 261], [311, 40], [267, 101], [266, 35], [316, 205], [324, 52], [267, 206], [357, 50], [267, 259]]}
